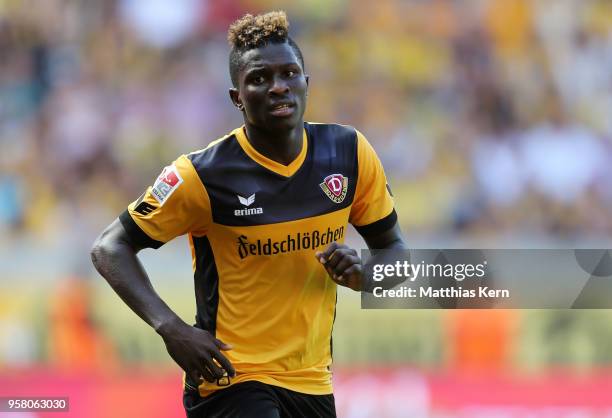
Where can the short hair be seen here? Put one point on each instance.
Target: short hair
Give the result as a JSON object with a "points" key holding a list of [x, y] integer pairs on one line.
{"points": [[251, 32]]}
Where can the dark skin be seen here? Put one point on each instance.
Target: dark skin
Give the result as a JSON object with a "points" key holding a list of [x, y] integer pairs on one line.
{"points": [[269, 76], [271, 93], [193, 349], [343, 264]]}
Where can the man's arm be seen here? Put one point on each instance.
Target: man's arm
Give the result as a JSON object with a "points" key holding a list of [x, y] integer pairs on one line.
{"points": [[391, 239], [114, 256], [344, 265]]}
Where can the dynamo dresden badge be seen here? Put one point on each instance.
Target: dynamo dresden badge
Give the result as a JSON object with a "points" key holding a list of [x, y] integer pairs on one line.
{"points": [[335, 187]]}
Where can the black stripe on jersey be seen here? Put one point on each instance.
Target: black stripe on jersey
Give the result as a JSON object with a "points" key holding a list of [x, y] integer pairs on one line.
{"points": [[232, 178], [331, 338], [380, 226], [137, 236], [206, 284]]}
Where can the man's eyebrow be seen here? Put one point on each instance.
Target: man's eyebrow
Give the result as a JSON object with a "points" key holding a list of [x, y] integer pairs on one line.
{"points": [[260, 68], [289, 64], [255, 69]]}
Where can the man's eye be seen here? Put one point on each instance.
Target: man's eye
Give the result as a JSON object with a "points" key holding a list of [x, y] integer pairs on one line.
{"points": [[258, 80], [291, 74]]}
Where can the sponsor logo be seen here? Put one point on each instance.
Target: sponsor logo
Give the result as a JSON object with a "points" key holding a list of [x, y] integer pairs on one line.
{"points": [[247, 201], [294, 242], [335, 186], [167, 182], [248, 211]]}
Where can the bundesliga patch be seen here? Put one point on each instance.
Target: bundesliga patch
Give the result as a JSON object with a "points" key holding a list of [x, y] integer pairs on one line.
{"points": [[335, 187], [167, 182]]}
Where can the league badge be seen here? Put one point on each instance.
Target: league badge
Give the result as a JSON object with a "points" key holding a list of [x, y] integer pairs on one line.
{"points": [[167, 182]]}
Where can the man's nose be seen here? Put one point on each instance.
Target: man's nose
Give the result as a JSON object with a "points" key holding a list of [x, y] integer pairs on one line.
{"points": [[279, 86]]}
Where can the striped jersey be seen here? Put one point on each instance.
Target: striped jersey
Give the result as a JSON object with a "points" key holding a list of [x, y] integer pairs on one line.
{"points": [[254, 226]]}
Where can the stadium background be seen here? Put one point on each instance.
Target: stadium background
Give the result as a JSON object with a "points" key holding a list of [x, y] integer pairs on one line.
{"points": [[493, 119]]}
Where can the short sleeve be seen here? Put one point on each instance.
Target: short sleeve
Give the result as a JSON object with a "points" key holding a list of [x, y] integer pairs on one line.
{"points": [[176, 204], [372, 211]]}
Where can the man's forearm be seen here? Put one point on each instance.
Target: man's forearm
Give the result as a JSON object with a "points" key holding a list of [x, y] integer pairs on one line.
{"points": [[117, 262], [195, 350], [379, 245], [397, 244]]}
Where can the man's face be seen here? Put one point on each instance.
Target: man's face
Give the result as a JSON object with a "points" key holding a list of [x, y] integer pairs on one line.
{"points": [[272, 87]]}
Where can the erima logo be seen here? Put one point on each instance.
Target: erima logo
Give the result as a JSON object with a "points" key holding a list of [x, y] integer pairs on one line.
{"points": [[247, 201]]}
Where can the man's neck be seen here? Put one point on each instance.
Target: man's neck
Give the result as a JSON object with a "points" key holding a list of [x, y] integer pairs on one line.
{"points": [[280, 146]]}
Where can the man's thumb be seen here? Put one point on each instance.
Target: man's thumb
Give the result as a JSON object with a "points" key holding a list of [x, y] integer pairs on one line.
{"points": [[222, 346]]}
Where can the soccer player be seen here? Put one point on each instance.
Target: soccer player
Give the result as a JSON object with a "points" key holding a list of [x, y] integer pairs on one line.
{"points": [[266, 209]]}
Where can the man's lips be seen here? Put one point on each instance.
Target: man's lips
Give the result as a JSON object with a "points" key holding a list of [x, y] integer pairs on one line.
{"points": [[282, 109]]}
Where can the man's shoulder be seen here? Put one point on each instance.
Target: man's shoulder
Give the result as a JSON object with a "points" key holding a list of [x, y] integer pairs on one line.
{"points": [[331, 131], [333, 141], [215, 151]]}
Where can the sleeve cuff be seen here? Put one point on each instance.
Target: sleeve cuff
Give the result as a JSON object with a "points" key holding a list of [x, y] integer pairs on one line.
{"points": [[137, 235], [380, 226]]}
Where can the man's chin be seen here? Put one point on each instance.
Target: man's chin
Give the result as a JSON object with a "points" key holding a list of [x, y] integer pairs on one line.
{"points": [[283, 124]]}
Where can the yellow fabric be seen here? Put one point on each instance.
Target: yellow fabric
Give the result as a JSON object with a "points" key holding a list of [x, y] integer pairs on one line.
{"points": [[372, 200], [186, 210], [277, 311]]}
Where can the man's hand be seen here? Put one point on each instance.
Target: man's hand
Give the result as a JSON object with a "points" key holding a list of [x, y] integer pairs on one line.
{"points": [[343, 265], [197, 352]]}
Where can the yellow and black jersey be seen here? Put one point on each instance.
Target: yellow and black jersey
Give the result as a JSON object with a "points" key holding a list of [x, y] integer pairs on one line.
{"points": [[254, 226]]}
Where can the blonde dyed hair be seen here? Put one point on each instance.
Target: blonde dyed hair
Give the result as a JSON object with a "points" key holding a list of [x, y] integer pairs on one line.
{"points": [[253, 31], [250, 32]]}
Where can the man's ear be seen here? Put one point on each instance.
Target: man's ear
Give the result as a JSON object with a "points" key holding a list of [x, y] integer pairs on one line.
{"points": [[235, 98]]}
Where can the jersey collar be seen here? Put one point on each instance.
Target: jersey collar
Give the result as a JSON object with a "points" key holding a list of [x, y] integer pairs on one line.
{"points": [[278, 168]]}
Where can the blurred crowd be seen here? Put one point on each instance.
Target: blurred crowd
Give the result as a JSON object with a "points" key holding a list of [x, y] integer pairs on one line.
{"points": [[490, 116]]}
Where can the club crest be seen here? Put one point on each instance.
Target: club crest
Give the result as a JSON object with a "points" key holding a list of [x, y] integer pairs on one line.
{"points": [[335, 187]]}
